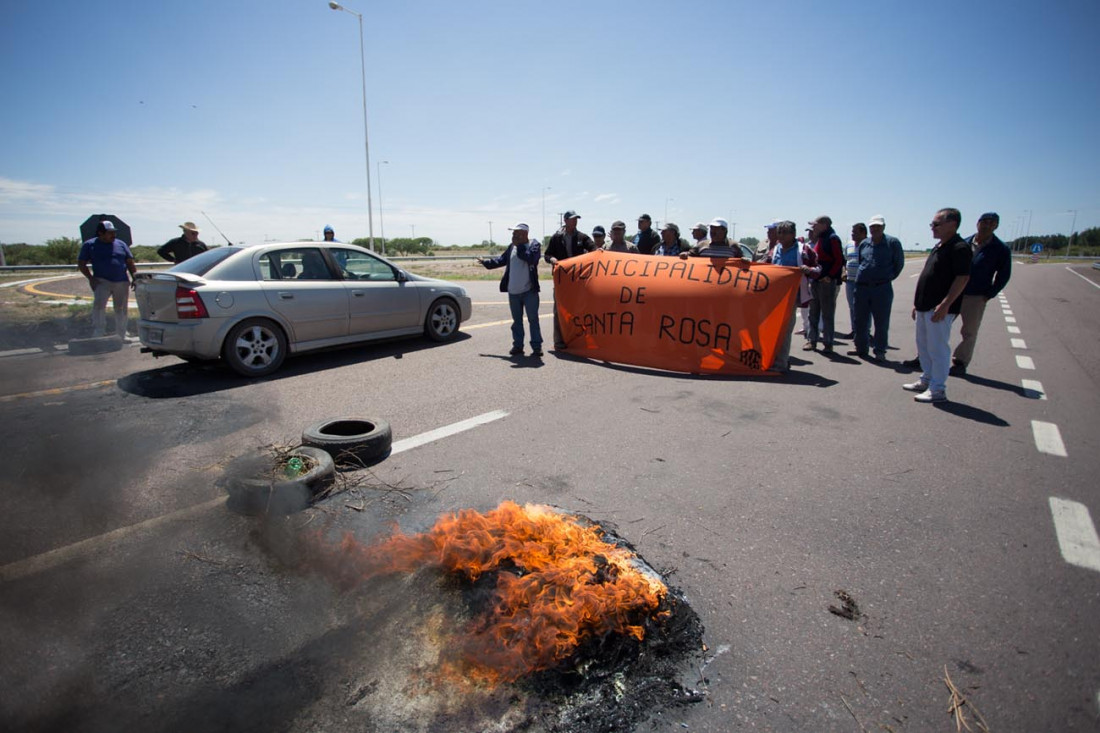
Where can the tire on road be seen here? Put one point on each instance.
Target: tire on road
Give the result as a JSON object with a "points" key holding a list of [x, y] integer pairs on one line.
{"points": [[255, 347], [443, 320], [351, 441], [262, 496]]}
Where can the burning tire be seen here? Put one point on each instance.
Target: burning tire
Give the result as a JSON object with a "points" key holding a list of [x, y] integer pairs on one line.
{"points": [[266, 495], [355, 441]]}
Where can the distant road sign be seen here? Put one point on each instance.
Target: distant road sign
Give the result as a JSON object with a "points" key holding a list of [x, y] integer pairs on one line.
{"points": [[1036, 248]]}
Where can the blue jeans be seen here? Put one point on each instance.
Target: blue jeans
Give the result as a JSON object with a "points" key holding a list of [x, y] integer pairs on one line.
{"points": [[529, 302], [849, 294], [873, 302]]}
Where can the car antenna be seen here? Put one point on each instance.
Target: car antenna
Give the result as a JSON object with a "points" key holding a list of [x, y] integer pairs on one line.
{"points": [[216, 227]]}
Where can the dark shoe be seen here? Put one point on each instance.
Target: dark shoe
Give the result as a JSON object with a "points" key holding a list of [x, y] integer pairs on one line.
{"points": [[912, 363], [827, 349], [860, 354], [559, 347], [850, 334], [516, 351], [958, 369], [537, 353], [880, 356]]}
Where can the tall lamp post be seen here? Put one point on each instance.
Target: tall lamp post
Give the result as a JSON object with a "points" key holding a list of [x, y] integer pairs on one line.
{"points": [[1069, 240], [381, 223], [490, 234], [366, 138], [544, 190]]}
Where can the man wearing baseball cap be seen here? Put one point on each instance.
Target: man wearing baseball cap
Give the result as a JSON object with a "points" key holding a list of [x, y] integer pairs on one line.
{"points": [[183, 247], [618, 241], [881, 260], [567, 242], [720, 245], [766, 249], [824, 289], [646, 239], [109, 259], [990, 270], [520, 261]]}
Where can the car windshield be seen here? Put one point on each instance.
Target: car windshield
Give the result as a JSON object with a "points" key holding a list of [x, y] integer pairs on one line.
{"points": [[200, 264]]}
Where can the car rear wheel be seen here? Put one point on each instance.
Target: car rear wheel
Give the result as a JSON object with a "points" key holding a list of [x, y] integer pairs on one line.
{"points": [[255, 348], [442, 321]]}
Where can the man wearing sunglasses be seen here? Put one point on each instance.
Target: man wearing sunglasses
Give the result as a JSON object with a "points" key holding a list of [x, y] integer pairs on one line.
{"points": [[937, 302]]}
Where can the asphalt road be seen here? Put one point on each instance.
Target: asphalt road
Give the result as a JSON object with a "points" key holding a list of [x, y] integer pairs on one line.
{"points": [[130, 597]]}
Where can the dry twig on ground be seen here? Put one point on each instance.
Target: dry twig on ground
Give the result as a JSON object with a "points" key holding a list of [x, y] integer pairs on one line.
{"points": [[956, 707]]}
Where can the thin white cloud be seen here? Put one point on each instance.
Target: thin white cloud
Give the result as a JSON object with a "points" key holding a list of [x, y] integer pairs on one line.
{"points": [[567, 172], [606, 197]]}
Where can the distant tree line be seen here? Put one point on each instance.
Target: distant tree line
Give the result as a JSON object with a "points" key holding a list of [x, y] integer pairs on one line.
{"points": [[1086, 243]]}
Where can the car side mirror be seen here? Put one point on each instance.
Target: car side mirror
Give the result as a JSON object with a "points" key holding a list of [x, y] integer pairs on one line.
{"points": [[401, 276]]}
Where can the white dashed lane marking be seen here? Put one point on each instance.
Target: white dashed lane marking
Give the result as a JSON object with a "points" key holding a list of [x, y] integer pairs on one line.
{"points": [[1018, 344], [1047, 438], [1013, 329], [1009, 319], [1076, 534], [1025, 362], [1033, 389]]}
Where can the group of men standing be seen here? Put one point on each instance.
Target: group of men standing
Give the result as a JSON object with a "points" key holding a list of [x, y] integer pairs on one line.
{"points": [[959, 277]]}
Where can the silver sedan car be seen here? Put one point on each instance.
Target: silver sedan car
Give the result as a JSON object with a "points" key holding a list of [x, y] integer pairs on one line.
{"points": [[251, 306]]}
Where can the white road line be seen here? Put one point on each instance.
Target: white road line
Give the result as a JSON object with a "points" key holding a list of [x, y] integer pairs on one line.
{"points": [[1047, 438], [1013, 329], [19, 352], [1018, 344], [499, 323], [1006, 311], [1090, 282], [1024, 362], [1009, 319], [1033, 388], [53, 558], [417, 440], [1076, 534]]}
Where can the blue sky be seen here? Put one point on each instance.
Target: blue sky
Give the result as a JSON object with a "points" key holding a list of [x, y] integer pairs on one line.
{"points": [[252, 112]]}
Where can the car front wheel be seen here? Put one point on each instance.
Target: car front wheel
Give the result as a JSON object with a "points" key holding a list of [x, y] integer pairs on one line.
{"points": [[255, 348], [442, 321]]}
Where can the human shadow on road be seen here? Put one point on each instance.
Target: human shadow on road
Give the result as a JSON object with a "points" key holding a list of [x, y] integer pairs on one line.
{"points": [[792, 377], [177, 380], [972, 413], [525, 361], [995, 384]]}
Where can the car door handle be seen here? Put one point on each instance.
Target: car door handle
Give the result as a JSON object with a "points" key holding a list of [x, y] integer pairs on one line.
{"points": [[286, 296], [358, 293]]}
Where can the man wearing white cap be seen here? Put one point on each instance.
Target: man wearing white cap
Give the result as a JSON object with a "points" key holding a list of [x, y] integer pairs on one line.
{"points": [[521, 281], [881, 260], [766, 249], [183, 247], [720, 245]]}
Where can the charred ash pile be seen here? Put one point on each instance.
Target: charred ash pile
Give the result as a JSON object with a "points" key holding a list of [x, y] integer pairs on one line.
{"points": [[555, 614]]}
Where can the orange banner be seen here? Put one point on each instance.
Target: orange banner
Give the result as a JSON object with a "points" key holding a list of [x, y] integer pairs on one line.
{"points": [[699, 315]]}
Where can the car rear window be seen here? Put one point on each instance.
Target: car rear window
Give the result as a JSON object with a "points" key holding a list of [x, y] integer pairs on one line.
{"points": [[200, 264]]}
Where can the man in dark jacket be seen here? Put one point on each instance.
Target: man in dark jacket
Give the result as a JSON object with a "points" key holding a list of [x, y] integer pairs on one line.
{"points": [[646, 239], [567, 242], [989, 273], [521, 281], [184, 247], [824, 288], [880, 261]]}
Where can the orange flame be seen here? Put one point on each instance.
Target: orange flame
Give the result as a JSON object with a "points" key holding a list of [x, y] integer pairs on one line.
{"points": [[558, 583]]}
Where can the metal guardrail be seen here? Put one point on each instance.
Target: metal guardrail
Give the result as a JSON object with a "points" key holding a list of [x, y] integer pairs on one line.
{"points": [[165, 265]]}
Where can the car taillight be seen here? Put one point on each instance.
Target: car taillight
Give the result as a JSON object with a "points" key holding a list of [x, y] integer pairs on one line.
{"points": [[189, 304]]}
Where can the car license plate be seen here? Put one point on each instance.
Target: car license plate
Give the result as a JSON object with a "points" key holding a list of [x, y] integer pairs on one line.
{"points": [[155, 335]]}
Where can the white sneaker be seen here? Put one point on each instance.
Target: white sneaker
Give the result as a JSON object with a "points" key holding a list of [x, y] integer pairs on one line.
{"points": [[930, 396], [915, 387]]}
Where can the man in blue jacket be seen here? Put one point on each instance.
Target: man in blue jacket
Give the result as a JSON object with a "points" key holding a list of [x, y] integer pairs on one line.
{"points": [[521, 281], [109, 266], [881, 260], [989, 273]]}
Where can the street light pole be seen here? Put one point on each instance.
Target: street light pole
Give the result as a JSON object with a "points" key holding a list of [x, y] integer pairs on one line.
{"points": [[381, 223], [1069, 240], [544, 190], [666, 208], [490, 234], [366, 137]]}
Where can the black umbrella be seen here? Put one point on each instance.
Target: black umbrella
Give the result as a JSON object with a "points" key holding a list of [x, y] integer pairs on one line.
{"points": [[122, 229]]}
